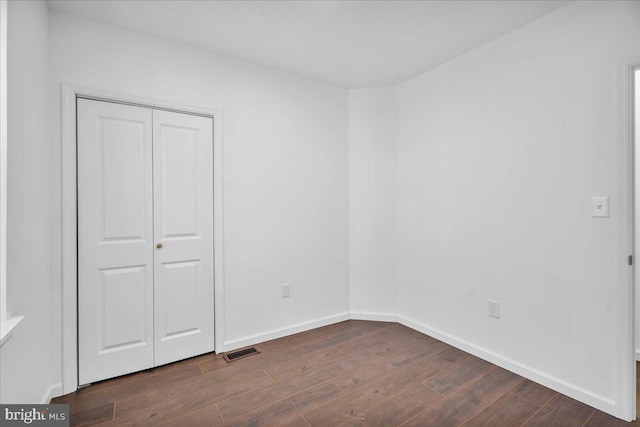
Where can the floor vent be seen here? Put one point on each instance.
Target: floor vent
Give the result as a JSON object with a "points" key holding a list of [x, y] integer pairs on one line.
{"points": [[240, 354]]}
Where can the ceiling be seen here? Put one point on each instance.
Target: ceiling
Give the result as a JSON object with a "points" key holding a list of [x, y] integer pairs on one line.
{"points": [[353, 44]]}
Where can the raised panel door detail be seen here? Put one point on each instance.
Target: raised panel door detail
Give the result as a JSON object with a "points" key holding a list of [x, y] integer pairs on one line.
{"points": [[123, 308], [179, 171], [122, 179], [180, 293]]}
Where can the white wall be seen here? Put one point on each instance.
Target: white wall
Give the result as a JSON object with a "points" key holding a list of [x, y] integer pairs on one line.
{"points": [[285, 165], [372, 201], [499, 154], [29, 359]]}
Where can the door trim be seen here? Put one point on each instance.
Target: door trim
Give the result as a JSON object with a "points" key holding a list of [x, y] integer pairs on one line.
{"points": [[69, 249], [624, 243]]}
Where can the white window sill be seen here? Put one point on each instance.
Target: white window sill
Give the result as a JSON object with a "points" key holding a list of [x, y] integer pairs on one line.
{"points": [[7, 327]]}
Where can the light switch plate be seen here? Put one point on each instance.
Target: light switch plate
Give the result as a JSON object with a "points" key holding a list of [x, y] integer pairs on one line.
{"points": [[600, 207]]}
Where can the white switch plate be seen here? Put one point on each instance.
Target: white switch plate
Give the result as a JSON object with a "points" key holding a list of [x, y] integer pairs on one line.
{"points": [[600, 207]]}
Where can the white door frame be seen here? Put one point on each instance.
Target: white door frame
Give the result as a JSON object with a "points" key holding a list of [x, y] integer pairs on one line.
{"points": [[625, 284], [69, 217]]}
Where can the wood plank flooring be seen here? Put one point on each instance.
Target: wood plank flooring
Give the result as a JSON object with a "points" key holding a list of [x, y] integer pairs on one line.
{"points": [[354, 373]]}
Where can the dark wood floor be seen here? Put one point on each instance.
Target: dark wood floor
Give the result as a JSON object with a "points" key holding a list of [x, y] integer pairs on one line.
{"points": [[353, 373]]}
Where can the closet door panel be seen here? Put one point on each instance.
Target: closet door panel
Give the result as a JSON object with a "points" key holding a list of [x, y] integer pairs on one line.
{"points": [[115, 239], [183, 229]]}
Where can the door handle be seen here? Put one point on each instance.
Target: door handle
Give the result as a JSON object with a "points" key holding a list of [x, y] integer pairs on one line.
{"points": [[159, 246]]}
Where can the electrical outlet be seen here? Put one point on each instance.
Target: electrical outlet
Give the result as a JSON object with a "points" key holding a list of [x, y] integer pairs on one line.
{"points": [[494, 309], [286, 290]]}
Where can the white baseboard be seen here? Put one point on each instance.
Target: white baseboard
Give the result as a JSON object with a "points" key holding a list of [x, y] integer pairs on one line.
{"points": [[283, 332], [638, 358], [377, 317], [54, 390], [592, 399]]}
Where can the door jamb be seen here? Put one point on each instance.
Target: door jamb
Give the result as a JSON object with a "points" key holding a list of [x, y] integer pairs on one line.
{"points": [[69, 249], [625, 280]]}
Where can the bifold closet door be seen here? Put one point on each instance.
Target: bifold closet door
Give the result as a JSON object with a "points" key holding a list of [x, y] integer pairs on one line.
{"points": [[115, 239], [183, 229], [145, 238]]}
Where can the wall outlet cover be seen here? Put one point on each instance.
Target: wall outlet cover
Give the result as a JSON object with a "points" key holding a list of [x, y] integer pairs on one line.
{"points": [[286, 290], [494, 309]]}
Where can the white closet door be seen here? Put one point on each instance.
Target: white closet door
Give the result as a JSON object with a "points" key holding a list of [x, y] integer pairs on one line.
{"points": [[183, 230], [115, 239]]}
